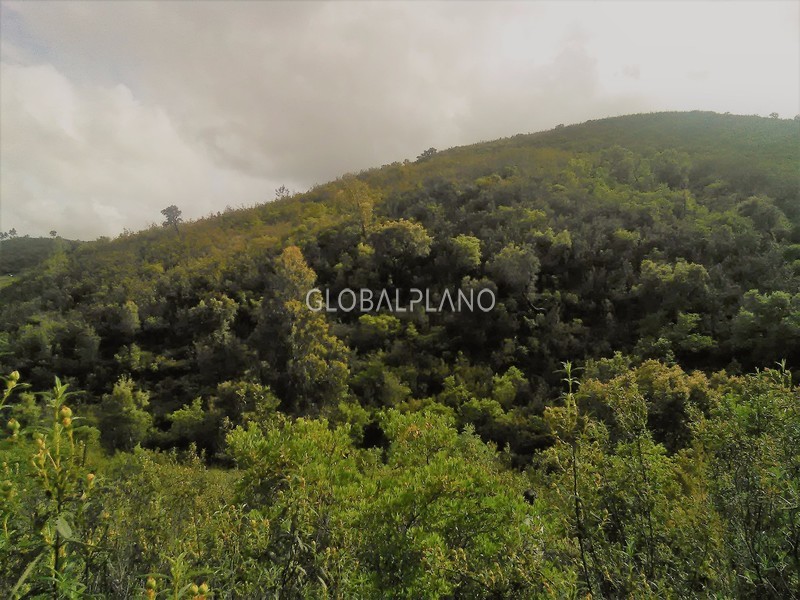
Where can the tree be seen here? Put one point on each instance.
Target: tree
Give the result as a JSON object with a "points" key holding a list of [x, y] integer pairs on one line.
{"points": [[193, 424], [360, 200], [317, 367], [172, 215], [639, 516], [767, 325], [123, 420], [672, 167], [430, 152], [245, 401], [444, 519], [466, 253], [621, 163], [53, 233], [293, 277], [767, 218], [309, 363], [673, 287], [282, 192], [747, 446], [399, 244], [515, 266]]}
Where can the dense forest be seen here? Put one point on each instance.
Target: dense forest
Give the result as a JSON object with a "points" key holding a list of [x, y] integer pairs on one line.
{"points": [[623, 423]]}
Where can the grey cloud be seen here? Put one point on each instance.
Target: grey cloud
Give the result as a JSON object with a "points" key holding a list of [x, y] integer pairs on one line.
{"points": [[208, 104], [631, 71], [698, 75]]}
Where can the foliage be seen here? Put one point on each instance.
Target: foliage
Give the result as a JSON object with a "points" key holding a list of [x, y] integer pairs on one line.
{"points": [[430, 512], [122, 417], [249, 447]]}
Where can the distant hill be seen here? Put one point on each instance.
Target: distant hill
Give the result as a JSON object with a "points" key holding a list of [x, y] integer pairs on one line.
{"points": [[22, 253], [751, 153], [748, 154]]}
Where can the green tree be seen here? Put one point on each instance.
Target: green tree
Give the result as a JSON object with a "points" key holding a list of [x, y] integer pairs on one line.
{"points": [[672, 167], [399, 245], [359, 200], [748, 446], [766, 216], [122, 416], [767, 325], [638, 515], [446, 519], [466, 253], [427, 154], [310, 363], [317, 366], [515, 266], [172, 217]]}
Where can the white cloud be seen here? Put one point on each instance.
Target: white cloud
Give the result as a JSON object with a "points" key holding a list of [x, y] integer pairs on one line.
{"points": [[93, 159]]}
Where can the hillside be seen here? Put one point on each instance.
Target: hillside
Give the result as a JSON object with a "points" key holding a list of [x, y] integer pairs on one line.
{"points": [[652, 259], [607, 210]]}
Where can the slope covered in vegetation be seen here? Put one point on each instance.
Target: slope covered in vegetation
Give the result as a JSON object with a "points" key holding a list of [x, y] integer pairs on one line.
{"points": [[658, 253]]}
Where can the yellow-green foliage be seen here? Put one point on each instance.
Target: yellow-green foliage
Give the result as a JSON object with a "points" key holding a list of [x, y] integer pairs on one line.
{"points": [[433, 512]]}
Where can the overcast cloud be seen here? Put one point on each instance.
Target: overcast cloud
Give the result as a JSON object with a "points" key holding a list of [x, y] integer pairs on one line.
{"points": [[111, 111]]}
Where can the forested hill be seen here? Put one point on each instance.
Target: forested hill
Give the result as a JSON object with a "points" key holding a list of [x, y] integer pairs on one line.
{"points": [[673, 236], [18, 254], [622, 424], [754, 154]]}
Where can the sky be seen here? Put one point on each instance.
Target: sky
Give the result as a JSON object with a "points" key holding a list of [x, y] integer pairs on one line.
{"points": [[111, 111]]}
